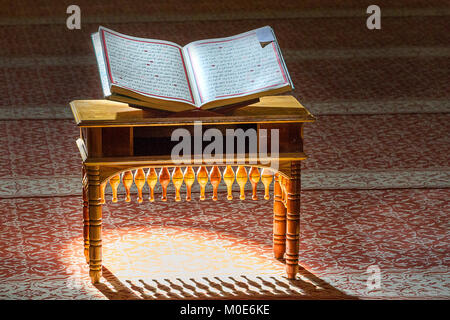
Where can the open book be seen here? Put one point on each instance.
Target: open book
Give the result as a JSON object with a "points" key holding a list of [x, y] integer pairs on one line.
{"points": [[203, 74]]}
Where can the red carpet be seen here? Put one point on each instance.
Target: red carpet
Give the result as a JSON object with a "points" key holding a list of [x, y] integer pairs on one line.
{"points": [[343, 232], [375, 184]]}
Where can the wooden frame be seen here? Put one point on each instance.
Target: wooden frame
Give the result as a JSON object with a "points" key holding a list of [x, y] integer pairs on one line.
{"points": [[103, 121]]}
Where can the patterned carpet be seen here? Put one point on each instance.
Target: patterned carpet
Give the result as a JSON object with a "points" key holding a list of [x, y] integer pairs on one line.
{"points": [[375, 184]]}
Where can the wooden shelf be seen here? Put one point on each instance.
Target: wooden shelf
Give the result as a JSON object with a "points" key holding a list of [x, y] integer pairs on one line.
{"points": [[104, 113], [165, 160]]}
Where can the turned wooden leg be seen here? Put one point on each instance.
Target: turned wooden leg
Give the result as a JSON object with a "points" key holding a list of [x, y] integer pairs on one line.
{"points": [[254, 178], [215, 176], [202, 179], [95, 224], [85, 215], [102, 192], [293, 187], [139, 181], [228, 177], [189, 179], [266, 178], [127, 180], [114, 182], [241, 178], [164, 180], [152, 179], [279, 221], [177, 180]]}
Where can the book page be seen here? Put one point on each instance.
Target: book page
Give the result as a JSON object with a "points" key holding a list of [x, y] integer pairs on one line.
{"points": [[235, 66], [101, 64], [152, 68]]}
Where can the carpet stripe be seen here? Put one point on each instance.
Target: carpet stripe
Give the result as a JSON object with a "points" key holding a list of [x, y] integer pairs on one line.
{"points": [[345, 107], [234, 15], [26, 186]]}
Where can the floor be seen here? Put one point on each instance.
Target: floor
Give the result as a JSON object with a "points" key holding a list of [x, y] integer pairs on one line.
{"points": [[375, 184]]}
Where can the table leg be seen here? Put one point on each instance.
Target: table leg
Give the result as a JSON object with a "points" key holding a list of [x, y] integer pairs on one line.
{"points": [[85, 214], [293, 220], [95, 224], [279, 221]]}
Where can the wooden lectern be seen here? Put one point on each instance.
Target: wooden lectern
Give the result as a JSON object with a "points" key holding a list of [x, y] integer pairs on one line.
{"points": [[116, 139]]}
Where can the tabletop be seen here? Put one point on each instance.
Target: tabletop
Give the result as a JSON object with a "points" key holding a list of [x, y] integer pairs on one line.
{"points": [[270, 109]]}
